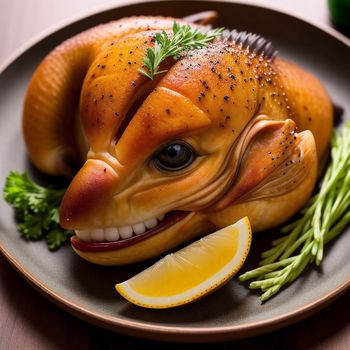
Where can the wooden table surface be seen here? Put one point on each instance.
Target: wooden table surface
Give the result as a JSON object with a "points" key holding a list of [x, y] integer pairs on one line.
{"points": [[29, 321]]}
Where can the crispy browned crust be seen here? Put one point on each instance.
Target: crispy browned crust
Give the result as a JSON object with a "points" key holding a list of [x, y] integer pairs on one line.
{"points": [[53, 138], [247, 115]]}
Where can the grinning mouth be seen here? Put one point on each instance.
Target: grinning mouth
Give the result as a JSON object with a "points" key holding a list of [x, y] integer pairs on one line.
{"points": [[129, 232]]}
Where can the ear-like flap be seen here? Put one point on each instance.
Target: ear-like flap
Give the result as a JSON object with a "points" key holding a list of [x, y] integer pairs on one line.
{"points": [[268, 145], [276, 176]]}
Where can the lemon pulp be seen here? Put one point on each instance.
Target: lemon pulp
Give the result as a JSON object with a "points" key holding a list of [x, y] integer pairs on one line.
{"points": [[191, 272]]}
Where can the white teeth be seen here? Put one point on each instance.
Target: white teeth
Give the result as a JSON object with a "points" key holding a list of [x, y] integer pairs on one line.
{"points": [[139, 228], [84, 235], [111, 234], [125, 232], [97, 234], [151, 223]]}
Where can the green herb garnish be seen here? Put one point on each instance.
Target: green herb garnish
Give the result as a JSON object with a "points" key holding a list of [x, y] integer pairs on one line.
{"points": [[326, 215], [184, 38], [36, 209]]}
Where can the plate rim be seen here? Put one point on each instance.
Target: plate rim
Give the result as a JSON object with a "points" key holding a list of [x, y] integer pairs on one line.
{"points": [[163, 333], [159, 332], [122, 3]]}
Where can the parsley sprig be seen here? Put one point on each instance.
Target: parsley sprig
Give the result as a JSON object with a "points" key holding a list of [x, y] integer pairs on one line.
{"points": [[184, 38], [36, 209], [326, 215]]}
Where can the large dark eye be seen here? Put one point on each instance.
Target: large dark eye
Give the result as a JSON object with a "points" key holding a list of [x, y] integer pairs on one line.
{"points": [[174, 156]]}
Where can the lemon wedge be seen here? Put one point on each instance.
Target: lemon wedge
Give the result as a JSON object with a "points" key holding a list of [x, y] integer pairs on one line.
{"points": [[191, 272]]}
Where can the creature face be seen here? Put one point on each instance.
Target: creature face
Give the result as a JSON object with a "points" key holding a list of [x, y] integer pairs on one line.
{"points": [[208, 143]]}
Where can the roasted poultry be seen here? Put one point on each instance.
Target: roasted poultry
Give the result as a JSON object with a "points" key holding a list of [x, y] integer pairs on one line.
{"points": [[229, 130]]}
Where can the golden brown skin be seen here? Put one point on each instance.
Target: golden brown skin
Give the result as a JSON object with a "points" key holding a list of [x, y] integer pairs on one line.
{"points": [[51, 110], [258, 128]]}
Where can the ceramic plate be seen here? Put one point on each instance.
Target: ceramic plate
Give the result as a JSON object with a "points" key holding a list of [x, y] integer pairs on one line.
{"points": [[232, 312]]}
